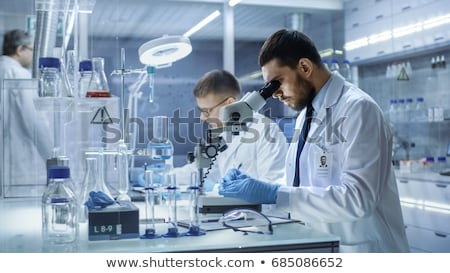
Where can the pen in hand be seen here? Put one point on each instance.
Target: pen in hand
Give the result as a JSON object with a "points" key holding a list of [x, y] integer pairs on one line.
{"points": [[239, 166]]}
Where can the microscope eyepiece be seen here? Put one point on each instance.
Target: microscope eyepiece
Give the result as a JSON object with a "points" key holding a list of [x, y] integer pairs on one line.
{"points": [[269, 88]]}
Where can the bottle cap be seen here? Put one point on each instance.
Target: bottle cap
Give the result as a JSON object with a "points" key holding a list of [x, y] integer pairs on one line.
{"points": [[85, 65], [58, 172], [49, 62], [441, 159]]}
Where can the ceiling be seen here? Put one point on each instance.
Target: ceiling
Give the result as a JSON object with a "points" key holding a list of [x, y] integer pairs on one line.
{"points": [[253, 19]]}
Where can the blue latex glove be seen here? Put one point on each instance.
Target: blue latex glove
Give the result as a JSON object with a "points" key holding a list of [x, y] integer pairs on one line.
{"points": [[239, 185], [98, 200], [137, 175]]}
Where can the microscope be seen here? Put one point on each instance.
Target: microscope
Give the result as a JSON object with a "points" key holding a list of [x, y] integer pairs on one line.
{"points": [[234, 117]]}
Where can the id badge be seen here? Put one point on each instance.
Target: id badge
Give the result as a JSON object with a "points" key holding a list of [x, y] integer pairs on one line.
{"points": [[322, 164]]}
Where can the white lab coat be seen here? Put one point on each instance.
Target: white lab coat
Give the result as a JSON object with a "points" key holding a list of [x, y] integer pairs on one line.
{"points": [[27, 140], [261, 152], [359, 200]]}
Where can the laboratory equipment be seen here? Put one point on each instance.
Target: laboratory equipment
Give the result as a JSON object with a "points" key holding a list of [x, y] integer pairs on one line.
{"points": [[150, 194], [122, 162], [59, 208], [90, 183], [160, 148], [172, 231], [49, 81], [98, 85], [334, 65], [165, 50], [151, 82], [71, 69], [85, 70], [247, 221], [234, 117], [194, 220]]}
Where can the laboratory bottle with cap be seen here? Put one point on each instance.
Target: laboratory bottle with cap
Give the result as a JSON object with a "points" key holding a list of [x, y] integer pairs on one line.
{"points": [[85, 70], [98, 85], [59, 208], [49, 80]]}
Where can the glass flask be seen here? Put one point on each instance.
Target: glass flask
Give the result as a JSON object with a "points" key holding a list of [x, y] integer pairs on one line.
{"points": [[59, 208], [98, 85], [49, 80], [89, 183]]}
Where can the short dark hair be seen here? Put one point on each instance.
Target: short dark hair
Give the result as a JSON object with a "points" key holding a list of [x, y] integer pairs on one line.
{"points": [[288, 47], [15, 38], [218, 82]]}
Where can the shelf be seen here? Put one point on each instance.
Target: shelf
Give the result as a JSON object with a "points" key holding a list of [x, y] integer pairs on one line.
{"points": [[53, 104], [92, 104], [66, 104]]}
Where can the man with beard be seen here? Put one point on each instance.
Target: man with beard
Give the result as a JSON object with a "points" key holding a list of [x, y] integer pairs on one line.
{"points": [[355, 196]]}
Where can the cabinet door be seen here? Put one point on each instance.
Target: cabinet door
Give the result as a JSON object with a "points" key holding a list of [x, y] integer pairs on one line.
{"points": [[428, 240], [434, 194], [426, 217]]}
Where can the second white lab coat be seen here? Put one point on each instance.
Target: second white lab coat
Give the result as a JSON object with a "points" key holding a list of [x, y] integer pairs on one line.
{"points": [[27, 140], [359, 200], [261, 152]]}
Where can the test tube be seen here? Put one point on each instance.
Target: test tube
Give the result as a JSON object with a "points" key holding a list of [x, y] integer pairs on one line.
{"points": [[194, 224], [172, 206], [122, 160], [151, 83], [150, 230]]}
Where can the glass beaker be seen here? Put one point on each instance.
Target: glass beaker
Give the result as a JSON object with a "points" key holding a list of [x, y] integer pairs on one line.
{"points": [[98, 85]]}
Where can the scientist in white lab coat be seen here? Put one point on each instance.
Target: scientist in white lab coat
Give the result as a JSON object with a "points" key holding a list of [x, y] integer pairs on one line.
{"points": [[260, 151], [26, 135], [354, 195]]}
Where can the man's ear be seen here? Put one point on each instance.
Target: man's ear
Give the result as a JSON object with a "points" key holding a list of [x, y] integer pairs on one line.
{"points": [[305, 67]]}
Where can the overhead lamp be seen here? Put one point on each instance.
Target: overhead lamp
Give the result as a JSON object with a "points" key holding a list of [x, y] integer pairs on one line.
{"points": [[164, 50]]}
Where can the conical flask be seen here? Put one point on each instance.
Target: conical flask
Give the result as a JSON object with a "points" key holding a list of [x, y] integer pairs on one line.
{"points": [[93, 180], [98, 85], [89, 183]]}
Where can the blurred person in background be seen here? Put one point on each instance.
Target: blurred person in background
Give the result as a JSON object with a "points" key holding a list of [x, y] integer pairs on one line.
{"points": [[26, 135]]}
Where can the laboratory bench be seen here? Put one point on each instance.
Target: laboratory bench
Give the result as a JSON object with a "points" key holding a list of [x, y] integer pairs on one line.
{"points": [[20, 231]]}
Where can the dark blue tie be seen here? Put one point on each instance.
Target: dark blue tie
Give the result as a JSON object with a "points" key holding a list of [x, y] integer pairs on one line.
{"points": [[302, 140]]}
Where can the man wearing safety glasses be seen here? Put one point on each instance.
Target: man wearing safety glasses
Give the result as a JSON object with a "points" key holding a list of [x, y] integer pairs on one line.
{"points": [[259, 151]]}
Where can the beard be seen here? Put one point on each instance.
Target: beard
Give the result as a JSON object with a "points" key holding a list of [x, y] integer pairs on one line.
{"points": [[305, 93]]}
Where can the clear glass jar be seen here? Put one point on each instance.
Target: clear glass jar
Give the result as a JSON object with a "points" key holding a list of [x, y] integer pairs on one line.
{"points": [[49, 80], [59, 208]]}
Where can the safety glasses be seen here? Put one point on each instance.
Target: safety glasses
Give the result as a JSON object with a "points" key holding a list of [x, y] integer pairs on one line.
{"points": [[247, 221]]}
